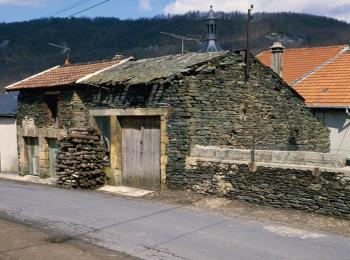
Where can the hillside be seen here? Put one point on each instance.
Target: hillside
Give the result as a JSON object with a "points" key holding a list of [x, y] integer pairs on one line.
{"points": [[24, 48]]}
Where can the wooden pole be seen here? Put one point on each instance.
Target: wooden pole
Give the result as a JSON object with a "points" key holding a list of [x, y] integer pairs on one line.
{"points": [[249, 19]]}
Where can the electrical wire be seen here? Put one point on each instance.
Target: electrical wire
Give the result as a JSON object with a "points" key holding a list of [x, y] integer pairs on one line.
{"points": [[70, 16], [70, 7]]}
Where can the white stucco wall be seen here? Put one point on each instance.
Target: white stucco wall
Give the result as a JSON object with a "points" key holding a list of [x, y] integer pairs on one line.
{"points": [[8, 145], [339, 124]]}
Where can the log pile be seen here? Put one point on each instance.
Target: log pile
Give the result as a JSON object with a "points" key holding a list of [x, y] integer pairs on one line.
{"points": [[80, 160]]}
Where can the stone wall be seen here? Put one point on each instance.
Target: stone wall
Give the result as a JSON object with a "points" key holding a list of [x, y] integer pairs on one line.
{"points": [[211, 105], [311, 188]]}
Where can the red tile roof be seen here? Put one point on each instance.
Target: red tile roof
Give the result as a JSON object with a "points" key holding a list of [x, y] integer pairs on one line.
{"points": [[61, 75], [298, 62], [320, 75], [329, 86]]}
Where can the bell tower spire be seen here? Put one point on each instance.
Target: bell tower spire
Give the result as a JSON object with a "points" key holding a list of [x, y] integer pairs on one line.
{"points": [[211, 43]]}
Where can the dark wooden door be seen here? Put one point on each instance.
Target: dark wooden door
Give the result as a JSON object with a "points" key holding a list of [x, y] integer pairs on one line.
{"points": [[141, 152]]}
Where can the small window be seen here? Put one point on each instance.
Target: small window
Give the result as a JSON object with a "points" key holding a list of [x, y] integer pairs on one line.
{"points": [[104, 125], [52, 104]]}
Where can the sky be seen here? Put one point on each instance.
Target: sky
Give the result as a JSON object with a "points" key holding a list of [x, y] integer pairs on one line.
{"points": [[21, 10]]}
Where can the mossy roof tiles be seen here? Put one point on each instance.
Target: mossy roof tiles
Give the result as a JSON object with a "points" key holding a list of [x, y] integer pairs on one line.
{"points": [[144, 71]]}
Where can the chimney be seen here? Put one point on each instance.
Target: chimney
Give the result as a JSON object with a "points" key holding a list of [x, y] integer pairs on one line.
{"points": [[277, 58], [66, 61]]}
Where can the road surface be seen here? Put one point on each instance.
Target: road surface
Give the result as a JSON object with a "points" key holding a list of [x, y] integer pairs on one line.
{"points": [[154, 230]]}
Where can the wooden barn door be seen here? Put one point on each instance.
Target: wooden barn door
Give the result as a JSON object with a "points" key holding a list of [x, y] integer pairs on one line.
{"points": [[141, 152]]}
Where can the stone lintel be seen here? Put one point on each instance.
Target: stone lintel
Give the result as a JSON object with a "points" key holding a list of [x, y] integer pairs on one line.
{"points": [[130, 112]]}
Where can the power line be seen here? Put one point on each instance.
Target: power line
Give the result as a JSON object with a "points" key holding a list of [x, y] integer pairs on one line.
{"points": [[70, 7], [70, 16]]}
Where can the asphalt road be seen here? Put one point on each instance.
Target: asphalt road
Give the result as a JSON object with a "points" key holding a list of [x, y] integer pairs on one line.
{"points": [[153, 230], [21, 242]]}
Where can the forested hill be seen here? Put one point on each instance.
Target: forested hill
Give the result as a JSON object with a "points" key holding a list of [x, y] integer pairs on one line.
{"points": [[24, 48]]}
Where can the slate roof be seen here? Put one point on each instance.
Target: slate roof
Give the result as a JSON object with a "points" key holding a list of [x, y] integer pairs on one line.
{"points": [[320, 75], [145, 71], [8, 104], [61, 75]]}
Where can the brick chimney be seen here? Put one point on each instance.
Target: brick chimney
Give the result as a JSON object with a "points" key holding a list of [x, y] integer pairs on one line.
{"points": [[277, 58]]}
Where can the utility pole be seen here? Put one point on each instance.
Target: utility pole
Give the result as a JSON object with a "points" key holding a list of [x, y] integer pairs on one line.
{"points": [[249, 19]]}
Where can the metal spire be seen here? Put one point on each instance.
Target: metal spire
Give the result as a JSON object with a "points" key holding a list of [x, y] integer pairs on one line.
{"points": [[211, 43]]}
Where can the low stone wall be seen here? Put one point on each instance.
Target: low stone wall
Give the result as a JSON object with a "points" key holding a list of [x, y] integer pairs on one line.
{"points": [[312, 188]]}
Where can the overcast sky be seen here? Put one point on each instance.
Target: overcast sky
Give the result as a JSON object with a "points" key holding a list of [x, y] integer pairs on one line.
{"points": [[19, 10]]}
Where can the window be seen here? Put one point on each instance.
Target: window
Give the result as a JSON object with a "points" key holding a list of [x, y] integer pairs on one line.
{"points": [[52, 105], [104, 125]]}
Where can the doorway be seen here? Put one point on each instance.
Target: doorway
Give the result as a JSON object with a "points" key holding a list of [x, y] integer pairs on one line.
{"points": [[32, 155], [140, 151], [53, 148]]}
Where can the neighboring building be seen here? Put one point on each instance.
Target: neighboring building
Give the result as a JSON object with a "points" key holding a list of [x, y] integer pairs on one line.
{"points": [[8, 135], [151, 112], [211, 43], [42, 112], [322, 77]]}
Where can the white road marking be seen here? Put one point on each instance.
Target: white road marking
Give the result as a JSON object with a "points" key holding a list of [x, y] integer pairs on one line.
{"points": [[293, 232]]}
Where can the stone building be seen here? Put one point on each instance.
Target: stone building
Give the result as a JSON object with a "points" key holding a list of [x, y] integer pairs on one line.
{"points": [[41, 111], [151, 112]]}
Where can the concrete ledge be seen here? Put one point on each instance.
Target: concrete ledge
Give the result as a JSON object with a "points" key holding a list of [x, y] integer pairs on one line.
{"points": [[328, 160], [27, 178], [193, 161]]}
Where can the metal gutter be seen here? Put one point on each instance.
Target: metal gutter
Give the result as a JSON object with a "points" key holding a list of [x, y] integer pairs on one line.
{"points": [[329, 107]]}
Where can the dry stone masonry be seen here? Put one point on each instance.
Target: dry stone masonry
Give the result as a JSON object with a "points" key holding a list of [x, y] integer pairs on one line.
{"points": [[317, 188], [80, 160], [209, 104]]}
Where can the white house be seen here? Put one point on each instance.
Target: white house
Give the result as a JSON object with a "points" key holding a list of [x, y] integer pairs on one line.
{"points": [[8, 133]]}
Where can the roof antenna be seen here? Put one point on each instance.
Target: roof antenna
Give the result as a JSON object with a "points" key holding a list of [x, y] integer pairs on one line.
{"points": [[65, 50], [183, 39]]}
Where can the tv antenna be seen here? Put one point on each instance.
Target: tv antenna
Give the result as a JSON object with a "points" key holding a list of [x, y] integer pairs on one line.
{"points": [[65, 50], [183, 39]]}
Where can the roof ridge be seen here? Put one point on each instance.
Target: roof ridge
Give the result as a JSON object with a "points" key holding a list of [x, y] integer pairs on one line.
{"points": [[304, 48], [305, 76], [319, 47], [88, 63], [102, 70]]}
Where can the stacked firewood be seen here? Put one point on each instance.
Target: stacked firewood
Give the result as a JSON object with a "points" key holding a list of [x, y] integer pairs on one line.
{"points": [[80, 160]]}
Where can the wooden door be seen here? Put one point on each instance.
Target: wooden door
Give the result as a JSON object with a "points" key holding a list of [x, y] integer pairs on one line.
{"points": [[141, 152], [32, 155], [53, 147]]}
